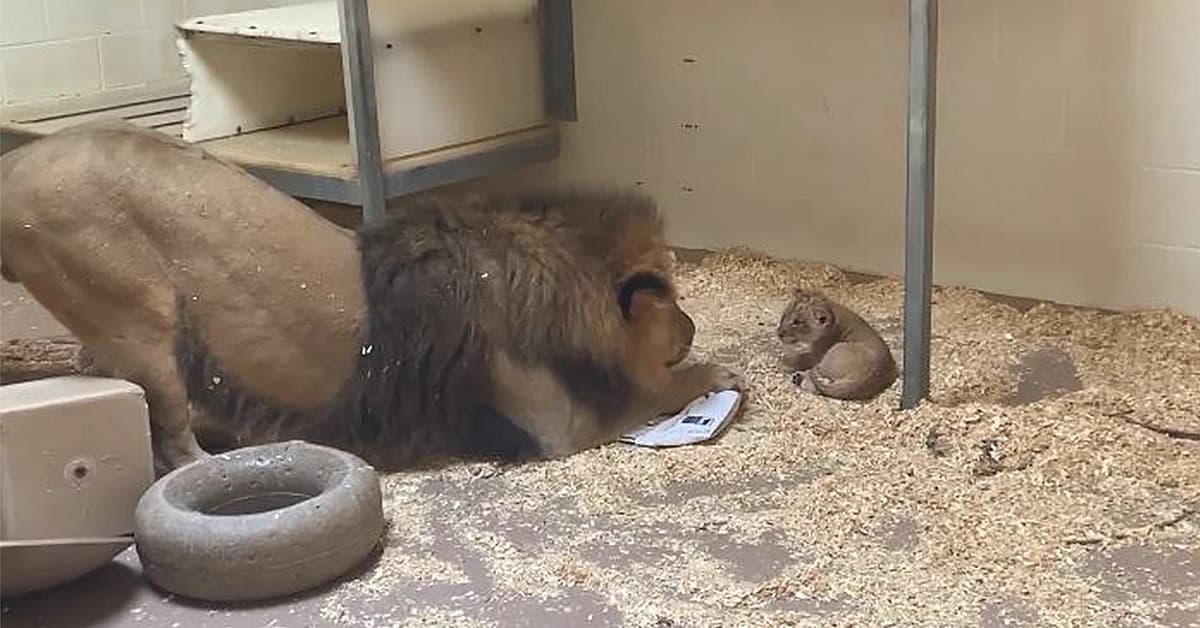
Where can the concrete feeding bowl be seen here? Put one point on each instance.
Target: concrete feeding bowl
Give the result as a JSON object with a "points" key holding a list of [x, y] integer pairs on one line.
{"points": [[74, 459], [259, 522]]}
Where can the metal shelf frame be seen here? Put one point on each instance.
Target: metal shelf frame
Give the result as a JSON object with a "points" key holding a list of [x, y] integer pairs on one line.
{"points": [[374, 186], [372, 180]]}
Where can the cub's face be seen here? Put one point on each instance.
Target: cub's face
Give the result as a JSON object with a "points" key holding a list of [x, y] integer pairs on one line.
{"points": [[806, 321]]}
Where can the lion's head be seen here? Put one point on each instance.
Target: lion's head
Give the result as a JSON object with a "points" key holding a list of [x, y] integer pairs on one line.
{"points": [[651, 306]]}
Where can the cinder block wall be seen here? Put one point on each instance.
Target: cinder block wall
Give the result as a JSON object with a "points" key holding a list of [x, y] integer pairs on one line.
{"points": [[62, 49], [1164, 206]]}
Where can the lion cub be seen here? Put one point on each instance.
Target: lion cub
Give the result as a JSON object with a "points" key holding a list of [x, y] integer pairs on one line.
{"points": [[833, 350]]}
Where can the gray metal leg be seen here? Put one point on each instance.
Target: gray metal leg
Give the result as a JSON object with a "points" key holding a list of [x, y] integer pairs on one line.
{"points": [[918, 250], [358, 68], [10, 140], [558, 59]]}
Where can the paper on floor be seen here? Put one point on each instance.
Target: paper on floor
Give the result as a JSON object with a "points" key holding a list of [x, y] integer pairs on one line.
{"points": [[702, 420]]}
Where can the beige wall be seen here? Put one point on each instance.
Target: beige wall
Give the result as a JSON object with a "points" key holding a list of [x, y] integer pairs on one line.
{"points": [[1069, 138], [52, 50], [1069, 130]]}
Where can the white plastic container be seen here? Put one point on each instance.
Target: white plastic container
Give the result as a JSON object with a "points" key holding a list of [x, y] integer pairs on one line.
{"points": [[75, 456]]}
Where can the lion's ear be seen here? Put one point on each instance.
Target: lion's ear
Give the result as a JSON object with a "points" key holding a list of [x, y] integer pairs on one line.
{"points": [[641, 304], [637, 283]]}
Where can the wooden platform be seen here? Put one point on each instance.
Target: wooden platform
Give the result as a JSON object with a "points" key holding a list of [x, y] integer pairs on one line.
{"points": [[313, 23], [310, 159], [458, 89]]}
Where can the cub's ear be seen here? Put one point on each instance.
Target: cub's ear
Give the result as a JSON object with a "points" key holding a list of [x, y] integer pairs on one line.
{"points": [[822, 314], [809, 295]]}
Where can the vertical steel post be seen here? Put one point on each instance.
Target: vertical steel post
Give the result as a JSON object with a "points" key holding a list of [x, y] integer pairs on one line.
{"points": [[918, 248], [558, 58], [358, 69]]}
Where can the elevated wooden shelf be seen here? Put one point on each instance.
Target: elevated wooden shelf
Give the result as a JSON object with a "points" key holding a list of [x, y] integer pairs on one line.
{"points": [[325, 103], [313, 23], [310, 159]]}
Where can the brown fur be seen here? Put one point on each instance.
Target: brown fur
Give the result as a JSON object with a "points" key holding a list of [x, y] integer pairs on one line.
{"points": [[497, 327], [834, 351]]}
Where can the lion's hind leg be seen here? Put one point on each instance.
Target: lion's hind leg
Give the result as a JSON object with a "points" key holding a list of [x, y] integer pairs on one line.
{"points": [[121, 306], [153, 368]]}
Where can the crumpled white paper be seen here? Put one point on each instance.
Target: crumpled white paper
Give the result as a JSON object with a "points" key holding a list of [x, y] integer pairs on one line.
{"points": [[701, 420]]}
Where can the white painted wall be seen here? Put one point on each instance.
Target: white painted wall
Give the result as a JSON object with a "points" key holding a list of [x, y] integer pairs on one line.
{"points": [[1164, 211], [61, 49], [1069, 138]]}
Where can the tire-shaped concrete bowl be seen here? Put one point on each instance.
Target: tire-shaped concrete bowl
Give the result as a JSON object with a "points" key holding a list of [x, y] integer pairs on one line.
{"points": [[259, 522]]}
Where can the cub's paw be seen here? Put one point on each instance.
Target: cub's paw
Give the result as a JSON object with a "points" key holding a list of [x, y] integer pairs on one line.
{"points": [[797, 358], [804, 379]]}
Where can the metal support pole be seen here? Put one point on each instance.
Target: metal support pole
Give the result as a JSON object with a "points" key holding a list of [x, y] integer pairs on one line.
{"points": [[558, 59], [918, 248], [358, 69]]}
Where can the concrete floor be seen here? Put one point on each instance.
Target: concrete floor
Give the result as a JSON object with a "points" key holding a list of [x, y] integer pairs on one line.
{"points": [[117, 595]]}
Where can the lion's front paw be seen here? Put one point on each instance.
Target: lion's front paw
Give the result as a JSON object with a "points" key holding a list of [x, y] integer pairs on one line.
{"points": [[718, 378], [181, 450]]}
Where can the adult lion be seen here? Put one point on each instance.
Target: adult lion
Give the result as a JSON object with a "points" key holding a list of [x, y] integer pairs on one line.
{"points": [[507, 327]]}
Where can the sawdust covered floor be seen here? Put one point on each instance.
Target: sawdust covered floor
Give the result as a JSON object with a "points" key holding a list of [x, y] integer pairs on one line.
{"points": [[1053, 480]]}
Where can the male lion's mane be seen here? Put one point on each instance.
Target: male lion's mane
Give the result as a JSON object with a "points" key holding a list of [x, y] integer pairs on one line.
{"points": [[449, 282]]}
